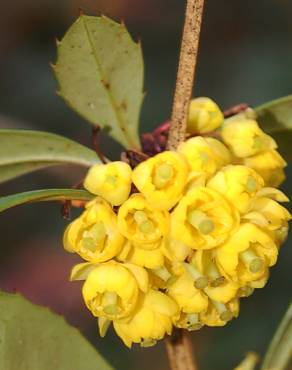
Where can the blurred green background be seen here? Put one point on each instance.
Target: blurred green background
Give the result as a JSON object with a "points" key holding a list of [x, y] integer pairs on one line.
{"points": [[245, 56]]}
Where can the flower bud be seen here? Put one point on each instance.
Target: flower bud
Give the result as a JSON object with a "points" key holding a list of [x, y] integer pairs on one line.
{"points": [[140, 223], [205, 155], [111, 290], [204, 116], [245, 138], [203, 219], [111, 181], [94, 235], [269, 165], [161, 179], [239, 184], [150, 322]]}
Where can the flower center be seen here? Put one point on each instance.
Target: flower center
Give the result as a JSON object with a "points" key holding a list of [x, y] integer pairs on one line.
{"points": [[163, 174], [201, 221], [251, 184], [224, 313], [252, 261], [193, 321], [109, 303], [213, 273], [94, 236], [145, 225], [200, 281]]}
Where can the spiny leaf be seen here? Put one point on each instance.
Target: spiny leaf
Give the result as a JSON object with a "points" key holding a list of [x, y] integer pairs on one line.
{"points": [[100, 72], [275, 118], [32, 337], [24, 151], [45, 195]]}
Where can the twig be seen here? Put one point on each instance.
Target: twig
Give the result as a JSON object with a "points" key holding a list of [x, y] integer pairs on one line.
{"points": [[179, 346], [179, 351], [186, 72]]}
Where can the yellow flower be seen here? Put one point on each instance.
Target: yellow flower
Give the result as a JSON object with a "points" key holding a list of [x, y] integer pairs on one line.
{"points": [[150, 322], [245, 138], [143, 254], [189, 298], [111, 181], [94, 235], [205, 155], [269, 165], [204, 116], [247, 255], [140, 223], [161, 179], [268, 214], [111, 290], [239, 184], [218, 314], [205, 270], [203, 219]]}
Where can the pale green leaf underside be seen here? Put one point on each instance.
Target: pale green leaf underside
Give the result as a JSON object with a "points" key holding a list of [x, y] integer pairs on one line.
{"points": [[24, 151], [100, 72], [275, 118], [45, 195], [34, 338]]}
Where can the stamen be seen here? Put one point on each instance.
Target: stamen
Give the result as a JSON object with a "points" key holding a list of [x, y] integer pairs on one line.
{"points": [[140, 216], [201, 221], [163, 174], [162, 273], [252, 261], [224, 312], [193, 322], [213, 273], [146, 227], [200, 281]]}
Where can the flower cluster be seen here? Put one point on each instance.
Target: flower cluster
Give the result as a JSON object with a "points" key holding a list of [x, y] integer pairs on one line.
{"points": [[179, 239]]}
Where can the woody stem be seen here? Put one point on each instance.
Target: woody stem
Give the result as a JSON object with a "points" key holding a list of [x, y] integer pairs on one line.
{"points": [[186, 72], [179, 346]]}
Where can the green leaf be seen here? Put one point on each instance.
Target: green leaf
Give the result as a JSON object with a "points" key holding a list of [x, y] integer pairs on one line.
{"points": [[100, 72], [10, 171], [275, 118], [34, 338], [10, 201], [249, 363], [279, 352], [24, 151]]}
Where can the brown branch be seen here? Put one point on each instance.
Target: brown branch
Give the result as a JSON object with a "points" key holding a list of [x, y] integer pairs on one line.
{"points": [[186, 72], [179, 351], [179, 346]]}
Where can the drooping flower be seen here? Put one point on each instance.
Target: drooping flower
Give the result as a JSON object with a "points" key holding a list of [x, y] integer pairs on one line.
{"points": [[111, 181], [161, 179], [204, 116], [150, 322], [245, 138], [203, 219], [247, 255], [139, 222], [205, 155], [237, 183], [270, 165], [111, 290], [94, 235]]}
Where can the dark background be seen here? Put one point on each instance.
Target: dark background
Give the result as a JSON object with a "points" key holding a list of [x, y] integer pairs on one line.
{"points": [[245, 56]]}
